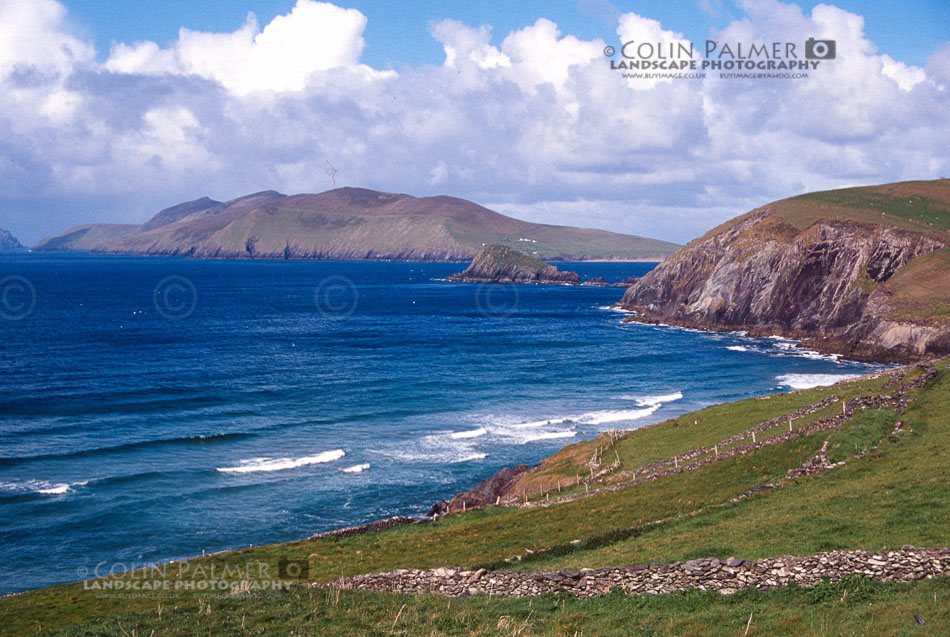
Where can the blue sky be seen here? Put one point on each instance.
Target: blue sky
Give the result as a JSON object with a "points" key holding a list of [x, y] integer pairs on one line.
{"points": [[397, 33], [111, 111]]}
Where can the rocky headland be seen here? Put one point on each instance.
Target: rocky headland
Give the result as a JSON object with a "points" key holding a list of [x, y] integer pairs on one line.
{"points": [[9, 242], [861, 272]]}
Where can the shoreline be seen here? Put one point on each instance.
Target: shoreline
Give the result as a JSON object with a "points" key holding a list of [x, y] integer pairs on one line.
{"points": [[397, 520], [94, 253], [818, 344]]}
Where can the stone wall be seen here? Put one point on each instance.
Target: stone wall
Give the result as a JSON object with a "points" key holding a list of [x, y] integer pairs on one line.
{"points": [[726, 576]]}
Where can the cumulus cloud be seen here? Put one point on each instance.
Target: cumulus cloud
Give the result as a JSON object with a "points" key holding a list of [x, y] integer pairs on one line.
{"points": [[314, 36], [467, 45], [34, 35], [532, 121]]}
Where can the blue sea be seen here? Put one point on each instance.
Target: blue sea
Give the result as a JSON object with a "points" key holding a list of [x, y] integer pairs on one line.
{"points": [[153, 408]]}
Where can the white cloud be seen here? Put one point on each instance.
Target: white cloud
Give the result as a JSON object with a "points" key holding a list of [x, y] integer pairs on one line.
{"points": [[142, 57], [533, 121], [439, 173], [907, 77], [463, 44], [540, 54], [313, 37], [34, 35]]}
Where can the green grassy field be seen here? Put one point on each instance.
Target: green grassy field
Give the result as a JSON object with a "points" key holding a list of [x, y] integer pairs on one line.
{"points": [[893, 494], [909, 205]]}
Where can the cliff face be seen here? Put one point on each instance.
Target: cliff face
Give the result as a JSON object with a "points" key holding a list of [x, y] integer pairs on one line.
{"points": [[485, 493], [500, 264], [844, 286], [9, 242]]}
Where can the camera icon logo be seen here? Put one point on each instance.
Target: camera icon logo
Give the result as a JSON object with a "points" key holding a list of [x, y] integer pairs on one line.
{"points": [[293, 569], [820, 49]]}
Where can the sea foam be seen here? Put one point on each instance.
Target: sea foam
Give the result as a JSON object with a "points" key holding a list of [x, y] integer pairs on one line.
{"points": [[473, 433], [547, 435], [41, 487], [357, 468], [807, 381], [470, 457], [649, 401], [280, 464], [648, 405]]}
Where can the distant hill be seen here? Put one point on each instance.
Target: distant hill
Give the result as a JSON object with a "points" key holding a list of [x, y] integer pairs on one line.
{"points": [[864, 272], [348, 223], [9, 242]]}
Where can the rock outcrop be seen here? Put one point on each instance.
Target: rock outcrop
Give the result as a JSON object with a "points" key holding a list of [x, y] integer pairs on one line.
{"points": [[9, 242], [838, 283], [484, 493], [501, 264], [370, 527]]}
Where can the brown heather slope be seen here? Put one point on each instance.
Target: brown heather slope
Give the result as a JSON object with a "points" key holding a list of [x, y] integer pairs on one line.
{"points": [[349, 223], [864, 272]]}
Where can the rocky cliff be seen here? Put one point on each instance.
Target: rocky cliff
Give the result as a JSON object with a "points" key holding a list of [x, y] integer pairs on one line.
{"points": [[863, 272], [486, 492], [8, 241], [500, 264]]}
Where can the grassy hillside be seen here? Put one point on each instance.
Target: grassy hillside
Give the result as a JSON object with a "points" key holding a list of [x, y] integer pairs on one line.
{"points": [[921, 289], [918, 206], [913, 205], [892, 490], [88, 237]]}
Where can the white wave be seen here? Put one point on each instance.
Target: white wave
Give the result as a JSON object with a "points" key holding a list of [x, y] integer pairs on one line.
{"points": [[648, 404], [616, 415], [679, 328], [357, 468], [473, 433], [470, 457], [807, 381], [548, 435], [56, 489], [42, 487], [279, 464], [818, 356], [783, 343], [738, 348], [649, 401], [611, 308], [537, 423], [792, 348]]}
